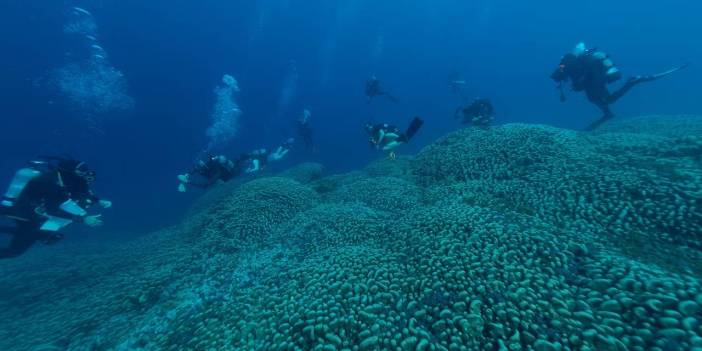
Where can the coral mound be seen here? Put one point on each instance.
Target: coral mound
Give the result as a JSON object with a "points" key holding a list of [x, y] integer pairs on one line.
{"points": [[251, 212], [304, 173], [517, 237], [668, 126]]}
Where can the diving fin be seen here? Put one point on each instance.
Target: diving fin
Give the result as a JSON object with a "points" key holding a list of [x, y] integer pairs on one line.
{"points": [[672, 70], [390, 97], [413, 128]]}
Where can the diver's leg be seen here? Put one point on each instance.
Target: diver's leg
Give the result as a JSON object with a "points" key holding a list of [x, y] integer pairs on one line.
{"points": [[391, 145], [20, 243], [307, 139], [632, 82], [599, 95], [388, 96], [607, 115]]}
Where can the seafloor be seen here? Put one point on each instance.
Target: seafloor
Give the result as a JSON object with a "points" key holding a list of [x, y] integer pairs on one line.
{"points": [[520, 237]]}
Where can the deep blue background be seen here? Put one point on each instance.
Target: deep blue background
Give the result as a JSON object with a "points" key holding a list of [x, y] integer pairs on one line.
{"points": [[174, 52]]}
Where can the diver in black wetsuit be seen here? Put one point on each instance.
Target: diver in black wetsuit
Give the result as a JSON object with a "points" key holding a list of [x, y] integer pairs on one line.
{"points": [[304, 131], [479, 113], [591, 70], [212, 169], [387, 137], [373, 89], [44, 198]]}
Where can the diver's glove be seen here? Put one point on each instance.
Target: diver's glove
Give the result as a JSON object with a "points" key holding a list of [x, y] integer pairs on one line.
{"points": [[182, 188], [105, 203], [92, 221]]}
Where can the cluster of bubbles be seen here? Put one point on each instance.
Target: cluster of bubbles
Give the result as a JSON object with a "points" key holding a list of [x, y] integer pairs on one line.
{"points": [[89, 81], [93, 87], [225, 113], [81, 23]]}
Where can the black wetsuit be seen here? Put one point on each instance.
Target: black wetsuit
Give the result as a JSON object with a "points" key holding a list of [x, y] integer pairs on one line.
{"points": [[43, 194], [373, 90], [305, 132], [588, 73], [214, 170]]}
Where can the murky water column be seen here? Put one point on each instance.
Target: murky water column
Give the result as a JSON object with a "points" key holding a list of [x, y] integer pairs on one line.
{"points": [[288, 91], [225, 113], [90, 83]]}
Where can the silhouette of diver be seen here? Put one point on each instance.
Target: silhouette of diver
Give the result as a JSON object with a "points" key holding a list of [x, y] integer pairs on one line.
{"points": [[590, 70], [373, 89]]}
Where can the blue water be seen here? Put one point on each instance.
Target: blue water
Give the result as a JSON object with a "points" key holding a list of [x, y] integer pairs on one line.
{"points": [[173, 53]]}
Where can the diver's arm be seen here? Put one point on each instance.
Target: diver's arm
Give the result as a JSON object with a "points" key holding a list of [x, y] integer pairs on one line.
{"points": [[95, 199], [71, 209], [67, 212], [91, 198], [392, 136]]}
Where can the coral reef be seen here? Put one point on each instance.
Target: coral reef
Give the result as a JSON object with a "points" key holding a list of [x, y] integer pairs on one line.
{"points": [[676, 126], [304, 173], [517, 237], [381, 193]]}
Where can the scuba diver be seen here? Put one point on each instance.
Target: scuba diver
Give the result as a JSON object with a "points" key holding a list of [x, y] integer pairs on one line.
{"points": [[45, 197], [373, 89], [479, 113], [259, 158], [591, 70], [388, 137], [212, 169], [305, 131]]}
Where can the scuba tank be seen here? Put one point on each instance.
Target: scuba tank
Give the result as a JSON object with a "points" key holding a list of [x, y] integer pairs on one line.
{"points": [[612, 73], [17, 185], [43, 164]]}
